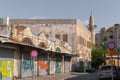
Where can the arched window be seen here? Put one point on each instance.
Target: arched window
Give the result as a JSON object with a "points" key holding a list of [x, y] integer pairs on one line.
{"points": [[27, 41], [58, 49]]}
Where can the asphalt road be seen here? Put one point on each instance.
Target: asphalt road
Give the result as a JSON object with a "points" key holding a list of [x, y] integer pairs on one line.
{"points": [[84, 76]]}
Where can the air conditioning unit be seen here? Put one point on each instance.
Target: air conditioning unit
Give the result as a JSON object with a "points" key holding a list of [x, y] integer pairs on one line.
{"points": [[4, 21]]}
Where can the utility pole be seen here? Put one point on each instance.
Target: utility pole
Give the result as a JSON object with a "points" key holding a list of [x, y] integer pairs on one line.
{"points": [[118, 46]]}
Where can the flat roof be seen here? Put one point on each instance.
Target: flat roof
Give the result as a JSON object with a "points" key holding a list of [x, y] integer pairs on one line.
{"points": [[43, 21]]}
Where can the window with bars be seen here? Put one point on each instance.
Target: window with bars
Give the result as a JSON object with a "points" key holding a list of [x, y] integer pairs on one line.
{"points": [[65, 37], [88, 44], [57, 36]]}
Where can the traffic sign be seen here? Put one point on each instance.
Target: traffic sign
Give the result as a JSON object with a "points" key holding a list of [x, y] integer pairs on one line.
{"points": [[34, 53], [111, 52], [111, 45]]}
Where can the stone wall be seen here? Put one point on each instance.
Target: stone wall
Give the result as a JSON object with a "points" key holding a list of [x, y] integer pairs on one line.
{"points": [[26, 35]]}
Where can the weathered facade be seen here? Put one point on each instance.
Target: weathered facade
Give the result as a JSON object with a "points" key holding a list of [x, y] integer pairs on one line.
{"points": [[67, 30], [106, 35], [63, 45], [15, 48]]}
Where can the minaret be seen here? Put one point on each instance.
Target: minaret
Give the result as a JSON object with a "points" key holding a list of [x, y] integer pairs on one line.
{"points": [[92, 29]]}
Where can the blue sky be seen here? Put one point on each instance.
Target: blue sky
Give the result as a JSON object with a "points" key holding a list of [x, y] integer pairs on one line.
{"points": [[106, 12]]}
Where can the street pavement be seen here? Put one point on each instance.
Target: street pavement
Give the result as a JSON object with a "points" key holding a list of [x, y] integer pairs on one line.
{"points": [[80, 76], [66, 76]]}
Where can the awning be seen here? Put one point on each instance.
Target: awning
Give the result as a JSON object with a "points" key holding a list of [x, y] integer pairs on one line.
{"points": [[8, 41], [70, 55]]}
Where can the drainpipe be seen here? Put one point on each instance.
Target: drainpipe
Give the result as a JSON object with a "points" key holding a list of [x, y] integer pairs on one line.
{"points": [[37, 65], [48, 63], [63, 67]]}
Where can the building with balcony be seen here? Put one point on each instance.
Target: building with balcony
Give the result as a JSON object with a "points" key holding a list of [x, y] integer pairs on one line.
{"points": [[106, 35]]}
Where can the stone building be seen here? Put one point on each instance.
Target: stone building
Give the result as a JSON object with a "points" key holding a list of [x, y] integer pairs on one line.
{"points": [[54, 56], [63, 45], [71, 31], [106, 35]]}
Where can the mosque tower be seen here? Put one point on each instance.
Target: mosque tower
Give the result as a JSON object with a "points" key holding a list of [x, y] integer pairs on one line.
{"points": [[92, 28]]}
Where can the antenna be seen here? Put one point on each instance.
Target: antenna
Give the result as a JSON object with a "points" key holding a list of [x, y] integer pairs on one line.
{"points": [[91, 13]]}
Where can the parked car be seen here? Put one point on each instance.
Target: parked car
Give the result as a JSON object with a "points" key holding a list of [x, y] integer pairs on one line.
{"points": [[106, 72]]}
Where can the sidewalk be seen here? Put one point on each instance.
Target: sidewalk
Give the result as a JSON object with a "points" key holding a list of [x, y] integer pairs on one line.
{"points": [[60, 76]]}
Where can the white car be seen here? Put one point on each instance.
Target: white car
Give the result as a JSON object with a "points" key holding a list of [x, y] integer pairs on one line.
{"points": [[106, 72]]}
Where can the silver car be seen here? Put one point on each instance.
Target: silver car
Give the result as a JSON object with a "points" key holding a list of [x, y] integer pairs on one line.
{"points": [[107, 71]]}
